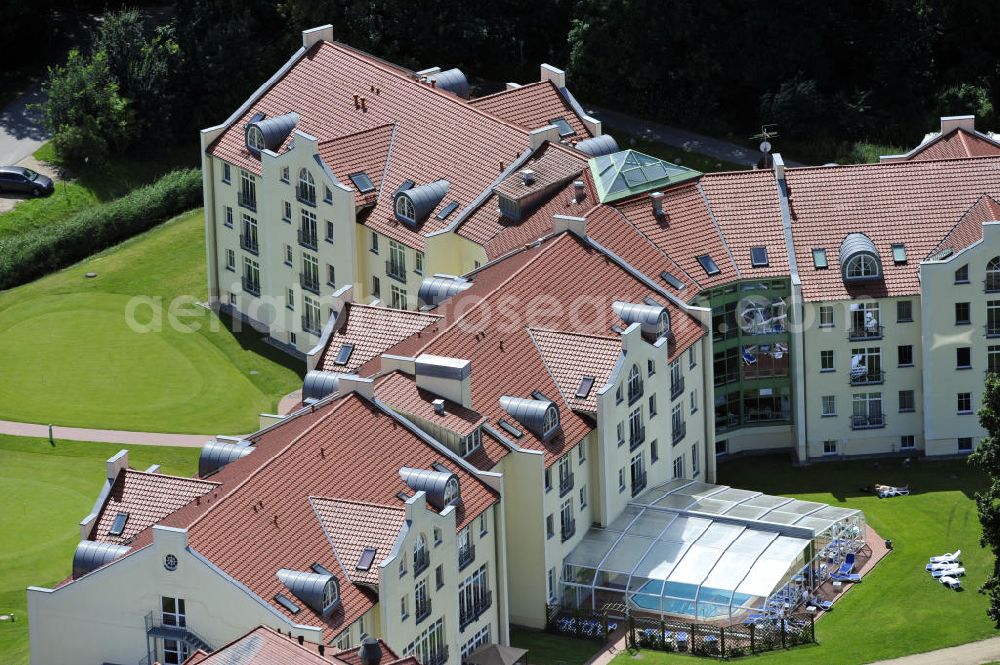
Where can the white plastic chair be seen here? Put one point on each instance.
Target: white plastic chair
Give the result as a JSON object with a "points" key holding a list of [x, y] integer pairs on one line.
{"points": [[947, 558], [951, 582]]}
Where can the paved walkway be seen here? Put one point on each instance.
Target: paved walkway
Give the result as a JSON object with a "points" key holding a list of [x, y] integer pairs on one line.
{"points": [[974, 653], [104, 435], [679, 138], [21, 131]]}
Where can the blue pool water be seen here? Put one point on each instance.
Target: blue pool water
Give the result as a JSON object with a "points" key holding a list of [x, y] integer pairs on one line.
{"points": [[681, 600]]}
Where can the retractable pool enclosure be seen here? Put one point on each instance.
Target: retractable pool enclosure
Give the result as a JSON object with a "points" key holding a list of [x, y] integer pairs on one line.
{"points": [[709, 553]]}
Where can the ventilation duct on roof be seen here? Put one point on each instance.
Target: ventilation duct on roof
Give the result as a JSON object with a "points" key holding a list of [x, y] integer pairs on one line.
{"points": [[452, 80], [269, 133], [413, 205], [540, 416], [657, 199], [435, 290], [604, 144], [859, 260], [450, 378], [653, 319], [320, 592], [318, 384], [441, 487], [217, 454], [91, 555]]}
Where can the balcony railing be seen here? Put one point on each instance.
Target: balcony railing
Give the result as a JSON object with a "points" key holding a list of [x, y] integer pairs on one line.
{"points": [[991, 284], [253, 288], [249, 243], [421, 560], [765, 416], [423, 609], [568, 528], [992, 330], [396, 271], [638, 482], [247, 201], [676, 388], [439, 657], [875, 421], [865, 333], [311, 325], [678, 431], [637, 435], [466, 555], [155, 630], [309, 282], [467, 614], [868, 379], [307, 238], [565, 484], [726, 421]]}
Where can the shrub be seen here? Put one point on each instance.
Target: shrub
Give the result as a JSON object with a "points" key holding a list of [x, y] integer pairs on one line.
{"points": [[37, 252]]}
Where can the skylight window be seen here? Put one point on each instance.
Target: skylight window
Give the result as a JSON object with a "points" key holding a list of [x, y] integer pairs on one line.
{"points": [[406, 184], [819, 258], [118, 526], [447, 210], [321, 569], [671, 280], [366, 559], [287, 604], [510, 429], [899, 253], [362, 182], [758, 257], [564, 127], [586, 383], [708, 265], [344, 354]]}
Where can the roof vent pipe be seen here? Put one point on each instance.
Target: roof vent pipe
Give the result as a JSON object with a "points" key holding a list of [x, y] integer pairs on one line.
{"points": [[370, 652], [438, 406], [364, 108], [357, 101], [579, 189], [528, 176], [657, 199]]}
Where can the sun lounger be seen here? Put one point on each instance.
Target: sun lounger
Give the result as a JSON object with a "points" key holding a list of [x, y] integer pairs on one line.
{"points": [[847, 567], [948, 572], [951, 582], [947, 558], [851, 577], [942, 566]]}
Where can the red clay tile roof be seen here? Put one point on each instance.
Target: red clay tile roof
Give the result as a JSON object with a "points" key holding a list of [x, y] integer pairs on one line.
{"points": [[260, 519], [915, 203], [570, 356], [532, 106], [561, 284], [372, 330], [438, 135], [352, 526], [551, 168], [365, 151], [263, 646], [969, 229], [401, 393], [956, 143], [147, 498]]}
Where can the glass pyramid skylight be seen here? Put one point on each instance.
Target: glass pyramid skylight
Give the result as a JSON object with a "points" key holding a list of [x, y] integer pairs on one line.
{"points": [[625, 173]]}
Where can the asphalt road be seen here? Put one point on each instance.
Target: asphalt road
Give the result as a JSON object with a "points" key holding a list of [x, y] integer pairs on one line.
{"points": [[21, 131]]}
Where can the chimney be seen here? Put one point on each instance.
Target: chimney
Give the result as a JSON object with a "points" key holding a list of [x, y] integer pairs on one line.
{"points": [[579, 190], [537, 137], [370, 653], [352, 383], [554, 74], [575, 225], [779, 166], [363, 107], [450, 378], [116, 464], [438, 406], [357, 101], [953, 122], [528, 176], [657, 199], [323, 33]]}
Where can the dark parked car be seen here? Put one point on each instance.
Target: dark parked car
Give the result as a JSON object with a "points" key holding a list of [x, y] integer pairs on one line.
{"points": [[24, 181]]}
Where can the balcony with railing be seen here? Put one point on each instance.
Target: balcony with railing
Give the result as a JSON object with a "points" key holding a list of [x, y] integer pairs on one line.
{"points": [[439, 657], [156, 630], [309, 282], [678, 431], [469, 614], [421, 561], [873, 421], [310, 325], [249, 243], [466, 555], [766, 365], [251, 286], [247, 200], [638, 482], [568, 528], [423, 609], [636, 437], [676, 388], [307, 238], [765, 415], [867, 378], [565, 484], [991, 284], [396, 271], [865, 333]]}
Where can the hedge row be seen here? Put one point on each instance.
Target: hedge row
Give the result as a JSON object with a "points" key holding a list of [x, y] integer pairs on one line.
{"points": [[42, 250]]}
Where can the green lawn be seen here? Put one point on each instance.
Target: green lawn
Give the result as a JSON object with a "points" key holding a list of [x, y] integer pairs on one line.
{"points": [[548, 649], [91, 184], [79, 363], [899, 609], [47, 490]]}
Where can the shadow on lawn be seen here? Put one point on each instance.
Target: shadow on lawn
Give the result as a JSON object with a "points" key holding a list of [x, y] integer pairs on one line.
{"points": [[775, 474], [252, 340]]}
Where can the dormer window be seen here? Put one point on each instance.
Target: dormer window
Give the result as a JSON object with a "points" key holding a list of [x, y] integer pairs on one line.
{"points": [[255, 139], [415, 204], [307, 187], [331, 596], [861, 267], [859, 260], [451, 491], [404, 208], [471, 442], [551, 422]]}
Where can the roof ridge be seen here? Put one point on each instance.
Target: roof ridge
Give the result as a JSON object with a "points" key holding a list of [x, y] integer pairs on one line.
{"points": [[610, 338], [412, 312], [541, 355], [961, 220], [172, 477], [911, 162], [353, 134], [718, 228], [357, 503]]}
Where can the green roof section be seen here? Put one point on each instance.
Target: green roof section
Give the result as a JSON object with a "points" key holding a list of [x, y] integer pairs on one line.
{"points": [[629, 172]]}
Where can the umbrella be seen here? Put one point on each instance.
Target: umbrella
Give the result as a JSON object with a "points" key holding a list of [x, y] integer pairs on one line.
{"points": [[495, 654]]}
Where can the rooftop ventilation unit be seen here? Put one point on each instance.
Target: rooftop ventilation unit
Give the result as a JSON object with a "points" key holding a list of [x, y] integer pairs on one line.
{"points": [[452, 80], [597, 146], [540, 416], [440, 487], [321, 593], [319, 384], [91, 555], [654, 320], [528, 177], [435, 290], [438, 406], [413, 205], [217, 454], [579, 190], [657, 200], [269, 133]]}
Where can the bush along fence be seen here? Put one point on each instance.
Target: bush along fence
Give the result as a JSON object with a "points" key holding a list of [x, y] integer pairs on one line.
{"points": [[765, 634], [37, 252]]}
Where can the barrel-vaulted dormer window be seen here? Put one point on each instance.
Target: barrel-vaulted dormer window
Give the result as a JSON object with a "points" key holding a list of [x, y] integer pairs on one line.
{"points": [[859, 260], [255, 139], [413, 204], [404, 209]]}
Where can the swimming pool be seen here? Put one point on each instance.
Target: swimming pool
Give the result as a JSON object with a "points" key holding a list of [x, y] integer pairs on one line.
{"points": [[679, 599]]}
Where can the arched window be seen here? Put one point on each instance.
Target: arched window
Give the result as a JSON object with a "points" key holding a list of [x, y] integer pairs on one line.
{"points": [[404, 208], [330, 595], [663, 324], [862, 266], [551, 421], [451, 491], [307, 187], [420, 557], [993, 274], [255, 138], [634, 384]]}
